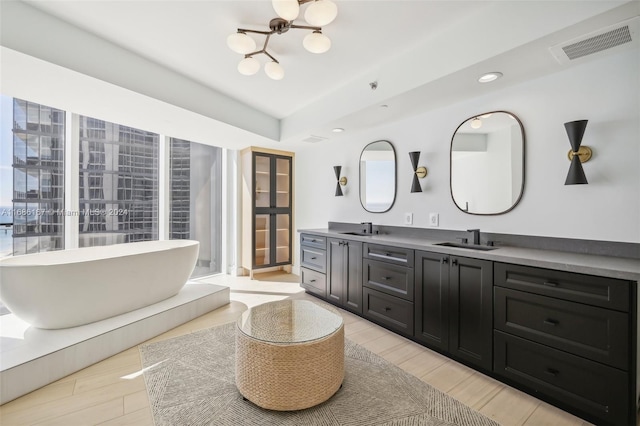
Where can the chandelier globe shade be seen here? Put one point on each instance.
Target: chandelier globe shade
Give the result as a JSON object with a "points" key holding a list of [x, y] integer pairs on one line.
{"points": [[286, 9], [476, 123], [241, 43], [316, 42], [248, 66], [274, 70], [320, 13]]}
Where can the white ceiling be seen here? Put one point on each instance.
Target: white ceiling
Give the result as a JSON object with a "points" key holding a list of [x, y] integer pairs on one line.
{"points": [[411, 48]]}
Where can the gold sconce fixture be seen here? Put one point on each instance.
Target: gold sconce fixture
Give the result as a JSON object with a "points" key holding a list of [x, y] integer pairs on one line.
{"points": [[577, 154], [342, 181], [418, 172]]}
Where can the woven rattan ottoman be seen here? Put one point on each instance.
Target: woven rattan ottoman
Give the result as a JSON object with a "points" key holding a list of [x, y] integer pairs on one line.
{"points": [[289, 354]]}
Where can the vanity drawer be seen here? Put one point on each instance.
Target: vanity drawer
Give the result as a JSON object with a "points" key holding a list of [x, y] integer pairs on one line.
{"points": [[595, 333], [314, 282], [313, 241], [396, 255], [598, 291], [313, 259], [388, 278], [591, 387], [390, 311]]}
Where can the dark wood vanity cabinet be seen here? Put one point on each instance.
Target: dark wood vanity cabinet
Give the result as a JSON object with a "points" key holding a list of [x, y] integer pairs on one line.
{"points": [[344, 273], [454, 306], [313, 262], [568, 338], [388, 287], [565, 337]]}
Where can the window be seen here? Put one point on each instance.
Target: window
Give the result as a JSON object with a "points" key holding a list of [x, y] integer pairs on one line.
{"points": [[196, 200], [38, 178], [118, 184]]}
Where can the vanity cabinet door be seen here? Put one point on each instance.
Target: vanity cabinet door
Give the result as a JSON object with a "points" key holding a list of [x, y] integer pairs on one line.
{"points": [[344, 273], [471, 310], [454, 306], [432, 299]]}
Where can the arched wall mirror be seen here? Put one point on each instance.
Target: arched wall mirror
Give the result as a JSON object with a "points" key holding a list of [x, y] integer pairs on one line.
{"points": [[487, 163], [378, 177]]}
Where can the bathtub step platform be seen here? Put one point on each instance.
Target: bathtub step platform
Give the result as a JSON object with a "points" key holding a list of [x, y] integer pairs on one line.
{"points": [[31, 358]]}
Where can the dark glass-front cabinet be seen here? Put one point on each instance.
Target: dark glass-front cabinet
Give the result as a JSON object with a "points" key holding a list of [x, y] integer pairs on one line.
{"points": [[267, 212], [344, 273], [453, 297]]}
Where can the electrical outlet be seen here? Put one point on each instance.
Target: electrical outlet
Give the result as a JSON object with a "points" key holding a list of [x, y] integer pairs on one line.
{"points": [[408, 218], [433, 219]]}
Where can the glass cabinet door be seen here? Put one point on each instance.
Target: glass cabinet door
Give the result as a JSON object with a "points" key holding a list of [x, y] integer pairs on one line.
{"points": [[283, 238], [283, 182], [262, 239], [263, 181]]}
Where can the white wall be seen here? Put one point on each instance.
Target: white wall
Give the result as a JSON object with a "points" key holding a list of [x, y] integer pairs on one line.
{"points": [[603, 90]]}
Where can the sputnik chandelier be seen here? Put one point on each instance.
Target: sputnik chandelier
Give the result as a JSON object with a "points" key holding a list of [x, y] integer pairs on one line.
{"points": [[317, 14]]}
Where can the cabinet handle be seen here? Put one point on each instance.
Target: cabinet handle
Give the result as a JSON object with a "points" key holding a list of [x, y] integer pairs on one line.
{"points": [[550, 284], [385, 278], [313, 240], [313, 258], [454, 262], [387, 309], [444, 260], [551, 322], [312, 281], [552, 372]]}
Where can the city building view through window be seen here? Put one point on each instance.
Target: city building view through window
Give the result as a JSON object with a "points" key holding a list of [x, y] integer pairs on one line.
{"points": [[117, 185]]}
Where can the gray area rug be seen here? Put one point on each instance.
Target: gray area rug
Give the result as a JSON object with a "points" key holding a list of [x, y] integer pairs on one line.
{"points": [[191, 381]]}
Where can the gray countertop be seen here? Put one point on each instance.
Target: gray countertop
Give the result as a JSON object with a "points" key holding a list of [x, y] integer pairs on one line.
{"points": [[604, 266]]}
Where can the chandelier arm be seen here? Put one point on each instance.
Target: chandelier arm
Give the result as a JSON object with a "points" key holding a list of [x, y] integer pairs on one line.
{"points": [[257, 52], [301, 2], [272, 58], [305, 27], [242, 30], [266, 41]]}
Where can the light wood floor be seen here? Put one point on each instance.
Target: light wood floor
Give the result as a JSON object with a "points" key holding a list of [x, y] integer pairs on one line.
{"points": [[112, 392]]}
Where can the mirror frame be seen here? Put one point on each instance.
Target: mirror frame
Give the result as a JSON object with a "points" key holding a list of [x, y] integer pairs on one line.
{"points": [[524, 145], [395, 175]]}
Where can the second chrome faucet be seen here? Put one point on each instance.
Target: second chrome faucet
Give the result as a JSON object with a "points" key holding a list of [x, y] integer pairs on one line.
{"points": [[369, 227], [476, 236]]}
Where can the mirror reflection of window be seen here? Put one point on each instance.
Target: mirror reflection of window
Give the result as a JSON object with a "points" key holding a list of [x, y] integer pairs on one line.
{"points": [[487, 164], [378, 177]]}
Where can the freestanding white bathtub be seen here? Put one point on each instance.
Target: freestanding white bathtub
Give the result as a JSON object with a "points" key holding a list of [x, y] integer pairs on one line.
{"points": [[68, 288]]}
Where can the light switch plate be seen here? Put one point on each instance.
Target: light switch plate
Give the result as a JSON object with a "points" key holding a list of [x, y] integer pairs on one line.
{"points": [[433, 219], [408, 218]]}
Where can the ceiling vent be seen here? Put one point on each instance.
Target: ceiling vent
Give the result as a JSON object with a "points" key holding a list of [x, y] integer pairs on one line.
{"points": [[621, 35], [314, 139]]}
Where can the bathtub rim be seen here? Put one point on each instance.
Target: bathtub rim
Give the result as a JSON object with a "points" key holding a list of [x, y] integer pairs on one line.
{"points": [[91, 254]]}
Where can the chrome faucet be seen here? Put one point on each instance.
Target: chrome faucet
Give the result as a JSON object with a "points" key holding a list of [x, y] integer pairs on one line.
{"points": [[476, 235], [369, 228]]}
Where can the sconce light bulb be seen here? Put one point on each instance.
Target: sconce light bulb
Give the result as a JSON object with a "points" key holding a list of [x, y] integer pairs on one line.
{"points": [[476, 123]]}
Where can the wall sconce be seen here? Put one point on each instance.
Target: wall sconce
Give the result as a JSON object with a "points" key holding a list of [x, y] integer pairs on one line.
{"points": [[418, 172], [577, 154], [342, 181]]}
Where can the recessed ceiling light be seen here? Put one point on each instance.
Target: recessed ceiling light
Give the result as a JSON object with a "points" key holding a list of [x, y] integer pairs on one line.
{"points": [[489, 77], [337, 130]]}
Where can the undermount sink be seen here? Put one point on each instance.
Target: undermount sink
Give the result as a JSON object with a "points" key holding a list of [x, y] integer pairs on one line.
{"points": [[357, 233], [467, 246]]}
